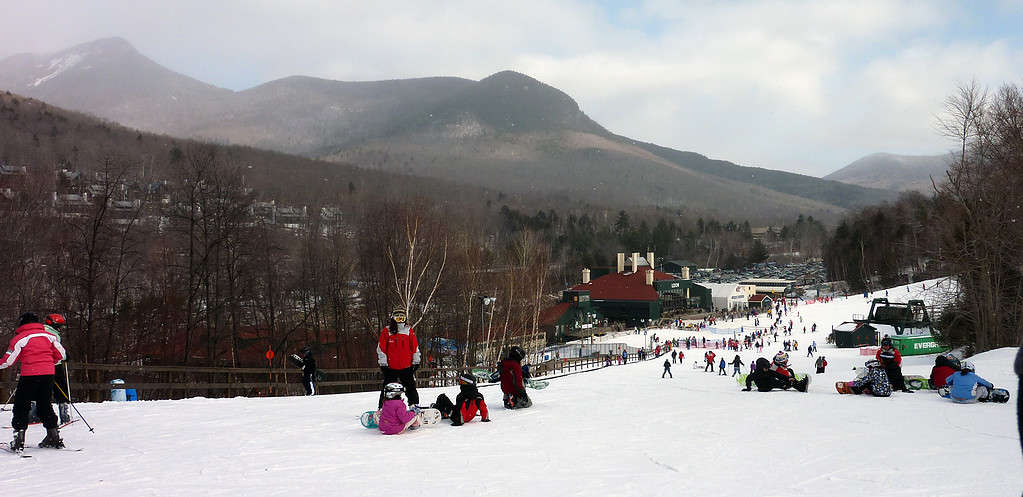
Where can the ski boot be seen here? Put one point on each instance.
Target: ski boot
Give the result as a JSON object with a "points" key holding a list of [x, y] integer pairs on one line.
{"points": [[18, 443], [52, 440], [65, 413]]}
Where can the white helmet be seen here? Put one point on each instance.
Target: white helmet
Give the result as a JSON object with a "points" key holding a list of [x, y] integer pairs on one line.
{"points": [[394, 390], [967, 366]]}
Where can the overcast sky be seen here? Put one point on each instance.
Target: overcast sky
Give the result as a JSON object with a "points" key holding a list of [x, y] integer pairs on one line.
{"points": [[804, 87]]}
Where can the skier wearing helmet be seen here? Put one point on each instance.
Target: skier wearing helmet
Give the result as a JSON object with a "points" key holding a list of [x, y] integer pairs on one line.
{"points": [[398, 355], [891, 360], [395, 416], [511, 380], [54, 324]]}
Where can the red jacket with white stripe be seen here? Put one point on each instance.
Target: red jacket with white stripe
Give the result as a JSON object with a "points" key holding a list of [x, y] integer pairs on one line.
{"points": [[37, 350], [398, 350]]}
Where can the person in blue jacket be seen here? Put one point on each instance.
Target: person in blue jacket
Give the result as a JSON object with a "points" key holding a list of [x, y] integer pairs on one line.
{"points": [[965, 387]]}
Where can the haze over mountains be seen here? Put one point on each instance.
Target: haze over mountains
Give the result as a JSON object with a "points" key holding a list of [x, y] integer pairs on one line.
{"points": [[895, 172], [508, 132]]}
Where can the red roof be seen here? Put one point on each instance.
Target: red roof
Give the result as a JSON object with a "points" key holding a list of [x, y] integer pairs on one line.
{"points": [[552, 315], [758, 297], [624, 286]]}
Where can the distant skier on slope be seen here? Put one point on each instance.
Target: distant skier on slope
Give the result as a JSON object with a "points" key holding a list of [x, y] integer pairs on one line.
{"points": [[38, 352], [511, 380], [721, 367], [308, 370], [736, 365], [709, 357], [667, 369]]}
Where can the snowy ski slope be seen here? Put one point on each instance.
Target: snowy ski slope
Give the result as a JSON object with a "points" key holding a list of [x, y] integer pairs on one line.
{"points": [[618, 431]]}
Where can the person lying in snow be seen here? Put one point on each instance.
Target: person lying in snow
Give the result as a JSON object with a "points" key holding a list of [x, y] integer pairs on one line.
{"points": [[395, 417]]}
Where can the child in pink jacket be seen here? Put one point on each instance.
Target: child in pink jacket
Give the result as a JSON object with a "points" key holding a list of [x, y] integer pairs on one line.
{"points": [[395, 417]]}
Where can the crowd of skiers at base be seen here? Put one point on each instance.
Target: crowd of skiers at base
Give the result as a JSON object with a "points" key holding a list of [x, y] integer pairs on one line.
{"points": [[36, 345]]}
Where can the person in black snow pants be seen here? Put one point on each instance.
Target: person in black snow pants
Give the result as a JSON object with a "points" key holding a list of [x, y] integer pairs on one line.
{"points": [[667, 369], [673, 355], [721, 367], [308, 371], [736, 365]]}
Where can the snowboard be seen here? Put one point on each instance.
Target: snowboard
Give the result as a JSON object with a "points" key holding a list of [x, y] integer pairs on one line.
{"points": [[296, 361], [741, 379], [429, 416], [537, 384], [844, 387], [486, 375], [917, 382], [60, 426], [996, 395]]}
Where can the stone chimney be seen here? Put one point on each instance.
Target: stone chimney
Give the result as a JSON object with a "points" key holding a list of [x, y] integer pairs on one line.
{"points": [[650, 277], [586, 276], [635, 261], [621, 262], [685, 273], [650, 260]]}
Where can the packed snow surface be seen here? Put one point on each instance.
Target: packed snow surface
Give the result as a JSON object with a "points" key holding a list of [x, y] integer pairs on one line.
{"points": [[617, 431]]}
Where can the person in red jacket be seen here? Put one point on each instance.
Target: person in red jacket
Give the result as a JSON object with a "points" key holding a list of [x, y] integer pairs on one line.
{"points": [[398, 355], [944, 366], [468, 402], [891, 359], [709, 357], [511, 380], [38, 352]]}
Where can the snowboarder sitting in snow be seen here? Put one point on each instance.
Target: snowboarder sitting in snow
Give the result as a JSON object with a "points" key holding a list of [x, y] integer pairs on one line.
{"points": [[965, 387], [775, 374], [871, 379], [395, 417], [944, 366], [511, 380], [891, 359], [468, 402]]}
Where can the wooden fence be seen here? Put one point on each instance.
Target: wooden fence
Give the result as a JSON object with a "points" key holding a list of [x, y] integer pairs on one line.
{"points": [[91, 382]]}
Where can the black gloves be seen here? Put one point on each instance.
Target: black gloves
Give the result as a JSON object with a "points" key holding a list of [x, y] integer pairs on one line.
{"points": [[486, 420], [383, 370]]}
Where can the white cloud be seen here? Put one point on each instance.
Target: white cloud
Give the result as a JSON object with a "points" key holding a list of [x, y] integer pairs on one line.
{"points": [[803, 86]]}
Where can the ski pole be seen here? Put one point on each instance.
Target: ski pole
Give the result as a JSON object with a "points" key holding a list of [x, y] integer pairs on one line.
{"points": [[76, 409], [4, 408]]}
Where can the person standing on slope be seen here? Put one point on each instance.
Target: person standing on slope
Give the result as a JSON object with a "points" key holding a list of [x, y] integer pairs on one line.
{"points": [[736, 365], [398, 355], [821, 364], [721, 367], [511, 380], [667, 369], [54, 324], [308, 370], [891, 360], [674, 354], [38, 352], [709, 357]]}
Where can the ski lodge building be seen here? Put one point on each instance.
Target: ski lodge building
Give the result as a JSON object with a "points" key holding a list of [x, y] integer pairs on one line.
{"points": [[631, 297]]}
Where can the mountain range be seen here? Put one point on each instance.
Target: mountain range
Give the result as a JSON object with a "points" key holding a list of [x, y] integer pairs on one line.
{"points": [[507, 132], [895, 172]]}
